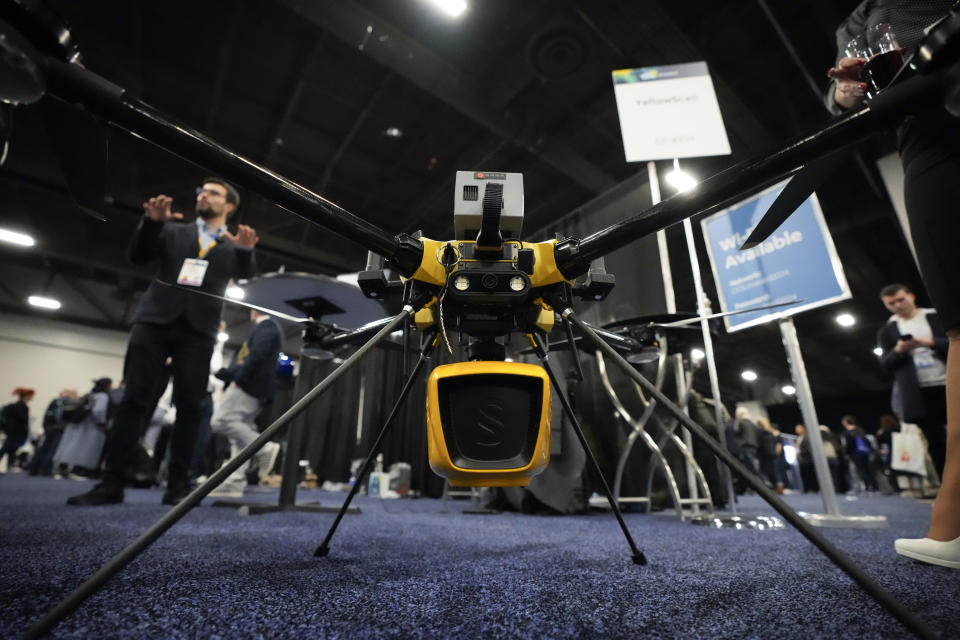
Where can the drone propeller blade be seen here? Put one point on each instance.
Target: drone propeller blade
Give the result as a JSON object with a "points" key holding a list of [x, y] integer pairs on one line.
{"points": [[276, 314], [681, 323], [354, 336], [798, 189], [621, 343], [81, 147]]}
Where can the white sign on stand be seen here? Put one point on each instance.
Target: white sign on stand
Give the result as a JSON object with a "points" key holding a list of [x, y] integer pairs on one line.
{"points": [[669, 112]]}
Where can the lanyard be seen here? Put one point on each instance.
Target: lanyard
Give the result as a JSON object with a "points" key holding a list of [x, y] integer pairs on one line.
{"points": [[204, 251]]}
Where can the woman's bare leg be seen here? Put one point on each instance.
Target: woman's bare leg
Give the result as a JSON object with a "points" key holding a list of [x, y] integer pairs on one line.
{"points": [[945, 519]]}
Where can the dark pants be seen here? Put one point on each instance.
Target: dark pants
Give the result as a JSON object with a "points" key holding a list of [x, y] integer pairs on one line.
{"points": [[198, 464], [42, 463], [864, 470], [149, 347], [10, 446], [934, 425]]}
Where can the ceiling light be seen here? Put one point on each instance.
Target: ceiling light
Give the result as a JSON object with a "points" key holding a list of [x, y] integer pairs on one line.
{"points": [[45, 303], [748, 375], [14, 237], [846, 320], [697, 354], [681, 180], [788, 389], [877, 351], [452, 8], [223, 336], [393, 132], [235, 292]]}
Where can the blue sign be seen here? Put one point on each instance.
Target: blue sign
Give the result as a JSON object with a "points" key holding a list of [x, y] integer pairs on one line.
{"points": [[797, 262]]}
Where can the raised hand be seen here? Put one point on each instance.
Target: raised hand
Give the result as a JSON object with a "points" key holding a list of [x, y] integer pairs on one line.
{"points": [[157, 209], [246, 237]]}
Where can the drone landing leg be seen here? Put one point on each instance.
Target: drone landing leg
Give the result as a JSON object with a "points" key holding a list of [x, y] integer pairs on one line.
{"points": [[138, 546], [324, 547], [840, 559], [636, 554]]}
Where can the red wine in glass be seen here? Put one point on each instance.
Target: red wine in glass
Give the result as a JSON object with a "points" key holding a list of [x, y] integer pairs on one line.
{"points": [[881, 69]]}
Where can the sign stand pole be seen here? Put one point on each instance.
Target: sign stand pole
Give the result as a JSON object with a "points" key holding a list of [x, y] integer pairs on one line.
{"points": [[677, 358], [798, 371], [708, 351]]}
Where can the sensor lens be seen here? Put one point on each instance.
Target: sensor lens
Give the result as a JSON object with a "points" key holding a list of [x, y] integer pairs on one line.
{"points": [[488, 281]]}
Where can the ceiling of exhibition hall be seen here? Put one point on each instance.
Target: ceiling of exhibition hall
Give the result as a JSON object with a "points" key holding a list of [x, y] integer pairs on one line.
{"points": [[375, 104]]}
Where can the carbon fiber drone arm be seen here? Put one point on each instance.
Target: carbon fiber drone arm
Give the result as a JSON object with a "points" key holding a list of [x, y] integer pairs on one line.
{"points": [[74, 84]]}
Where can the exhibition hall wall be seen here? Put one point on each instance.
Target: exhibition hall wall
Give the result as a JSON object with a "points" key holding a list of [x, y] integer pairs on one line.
{"points": [[49, 356]]}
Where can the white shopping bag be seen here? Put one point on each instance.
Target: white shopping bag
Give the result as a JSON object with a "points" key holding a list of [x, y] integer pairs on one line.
{"points": [[907, 451]]}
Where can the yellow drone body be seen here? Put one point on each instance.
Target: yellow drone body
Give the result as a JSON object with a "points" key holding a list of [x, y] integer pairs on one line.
{"points": [[488, 422]]}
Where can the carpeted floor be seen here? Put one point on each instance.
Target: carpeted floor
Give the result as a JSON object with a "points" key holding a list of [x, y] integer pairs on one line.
{"points": [[424, 569]]}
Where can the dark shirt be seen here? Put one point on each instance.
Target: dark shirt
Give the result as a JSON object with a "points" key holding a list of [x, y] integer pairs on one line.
{"points": [[171, 243], [255, 366], [16, 420]]}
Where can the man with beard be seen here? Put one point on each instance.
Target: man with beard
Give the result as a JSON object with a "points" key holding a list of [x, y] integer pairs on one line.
{"points": [[176, 324]]}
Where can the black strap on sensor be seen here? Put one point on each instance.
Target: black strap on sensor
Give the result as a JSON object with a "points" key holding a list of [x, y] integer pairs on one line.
{"points": [[489, 239]]}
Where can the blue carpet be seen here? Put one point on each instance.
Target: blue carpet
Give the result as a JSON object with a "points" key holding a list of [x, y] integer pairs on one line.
{"points": [[423, 569]]}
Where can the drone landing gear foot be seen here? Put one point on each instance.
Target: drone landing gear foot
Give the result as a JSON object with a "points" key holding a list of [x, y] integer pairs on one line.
{"points": [[636, 554], [425, 352]]}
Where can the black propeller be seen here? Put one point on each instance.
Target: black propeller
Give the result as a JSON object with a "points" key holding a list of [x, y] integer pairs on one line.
{"points": [[798, 189]]}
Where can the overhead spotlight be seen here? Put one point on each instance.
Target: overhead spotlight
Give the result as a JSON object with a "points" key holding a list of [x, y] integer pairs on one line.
{"points": [[697, 354], [235, 292], [877, 351], [452, 8], [14, 237], [788, 389], [748, 375], [44, 303], [223, 336], [392, 132], [846, 320], [681, 180]]}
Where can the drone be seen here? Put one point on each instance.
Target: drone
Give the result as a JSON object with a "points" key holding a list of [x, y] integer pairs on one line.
{"points": [[488, 418]]}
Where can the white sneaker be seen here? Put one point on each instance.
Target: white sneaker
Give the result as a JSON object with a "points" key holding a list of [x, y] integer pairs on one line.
{"points": [[227, 490], [265, 459], [944, 554]]}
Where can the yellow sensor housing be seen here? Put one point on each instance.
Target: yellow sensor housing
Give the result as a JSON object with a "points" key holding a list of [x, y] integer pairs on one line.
{"points": [[488, 423]]}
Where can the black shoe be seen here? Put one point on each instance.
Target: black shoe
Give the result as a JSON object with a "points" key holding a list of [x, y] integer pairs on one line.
{"points": [[176, 492], [102, 493]]}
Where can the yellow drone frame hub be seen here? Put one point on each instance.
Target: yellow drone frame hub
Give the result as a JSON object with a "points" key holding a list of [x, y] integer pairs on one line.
{"points": [[488, 423]]}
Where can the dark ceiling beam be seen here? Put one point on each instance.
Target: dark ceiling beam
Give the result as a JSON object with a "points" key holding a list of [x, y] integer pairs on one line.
{"points": [[293, 100], [321, 185], [409, 59], [7, 291], [91, 299], [224, 54]]}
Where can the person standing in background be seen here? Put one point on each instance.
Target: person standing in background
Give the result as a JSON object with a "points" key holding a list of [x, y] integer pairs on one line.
{"points": [[251, 383], [173, 322], [15, 420]]}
